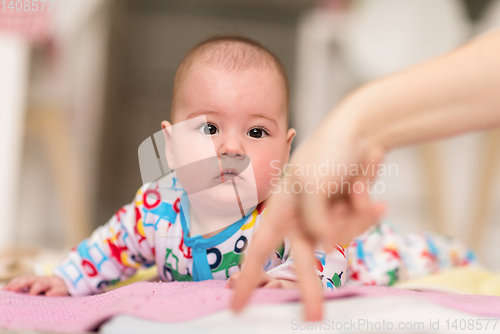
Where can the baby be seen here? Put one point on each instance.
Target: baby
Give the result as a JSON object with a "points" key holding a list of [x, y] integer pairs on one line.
{"points": [[240, 90]]}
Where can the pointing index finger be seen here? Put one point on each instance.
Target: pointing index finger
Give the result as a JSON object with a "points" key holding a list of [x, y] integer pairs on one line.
{"points": [[270, 233]]}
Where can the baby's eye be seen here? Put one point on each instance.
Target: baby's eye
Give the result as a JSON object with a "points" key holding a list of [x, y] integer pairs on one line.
{"points": [[209, 129], [257, 133]]}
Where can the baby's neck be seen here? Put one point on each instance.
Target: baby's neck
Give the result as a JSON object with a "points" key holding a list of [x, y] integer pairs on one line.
{"points": [[211, 234], [196, 222], [208, 219]]}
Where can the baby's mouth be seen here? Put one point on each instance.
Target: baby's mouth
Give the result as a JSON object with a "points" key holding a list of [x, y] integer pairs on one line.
{"points": [[228, 174]]}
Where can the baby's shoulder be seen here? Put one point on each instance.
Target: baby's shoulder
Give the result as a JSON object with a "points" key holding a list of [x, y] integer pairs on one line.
{"points": [[167, 188]]}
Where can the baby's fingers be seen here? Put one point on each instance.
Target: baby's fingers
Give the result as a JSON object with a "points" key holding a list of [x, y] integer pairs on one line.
{"points": [[20, 283], [56, 292], [40, 286]]}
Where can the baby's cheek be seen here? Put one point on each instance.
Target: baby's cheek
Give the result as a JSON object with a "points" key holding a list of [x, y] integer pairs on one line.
{"points": [[267, 175]]}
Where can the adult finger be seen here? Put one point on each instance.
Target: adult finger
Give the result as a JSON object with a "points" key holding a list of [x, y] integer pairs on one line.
{"points": [[311, 292], [230, 284], [315, 222], [270, 232], [357, 223], [337, 215], [264, 242], [358, 195], [359, 192], [274, 284]]}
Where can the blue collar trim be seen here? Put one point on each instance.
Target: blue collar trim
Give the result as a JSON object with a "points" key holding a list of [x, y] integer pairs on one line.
{"points": [[199, 245]]}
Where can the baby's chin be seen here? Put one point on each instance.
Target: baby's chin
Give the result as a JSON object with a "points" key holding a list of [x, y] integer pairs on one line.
{"points": [[223, 198], [222, 194]]}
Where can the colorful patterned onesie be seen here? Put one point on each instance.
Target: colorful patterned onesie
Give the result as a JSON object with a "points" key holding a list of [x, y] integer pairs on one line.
{"points": [[153, 230], [382, 256]]}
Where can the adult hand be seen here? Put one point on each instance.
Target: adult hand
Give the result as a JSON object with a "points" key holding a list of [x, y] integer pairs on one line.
{"points": [[335, 213], [446, 96]]}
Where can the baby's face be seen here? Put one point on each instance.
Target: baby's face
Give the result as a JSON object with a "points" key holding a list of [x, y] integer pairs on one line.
{"points": [[246, 114]]}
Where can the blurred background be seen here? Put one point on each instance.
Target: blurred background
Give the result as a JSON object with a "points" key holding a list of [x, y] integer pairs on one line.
{"points": [[82, 85]]}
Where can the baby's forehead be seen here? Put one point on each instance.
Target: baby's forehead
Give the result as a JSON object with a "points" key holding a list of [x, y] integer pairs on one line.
{"points": [[221, 73], [249, 81], [235, 58], [258, 83], [245, 96]]}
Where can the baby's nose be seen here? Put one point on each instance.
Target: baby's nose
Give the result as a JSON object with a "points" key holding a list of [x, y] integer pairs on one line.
{"points": [[231, 147]]}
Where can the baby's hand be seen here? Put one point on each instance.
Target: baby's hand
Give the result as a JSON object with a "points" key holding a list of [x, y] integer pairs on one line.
{"points": [[265, 281], [51, 286]]}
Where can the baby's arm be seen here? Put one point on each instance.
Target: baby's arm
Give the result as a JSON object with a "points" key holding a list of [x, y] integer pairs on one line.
{"points": [[113, 252]]}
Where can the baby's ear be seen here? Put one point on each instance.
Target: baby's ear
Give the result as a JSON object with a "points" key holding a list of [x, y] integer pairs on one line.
{"points": [[167, 133], [290, 134]]}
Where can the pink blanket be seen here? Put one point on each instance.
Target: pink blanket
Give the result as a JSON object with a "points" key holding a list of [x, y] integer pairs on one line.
{"points": [[182, 301]]}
